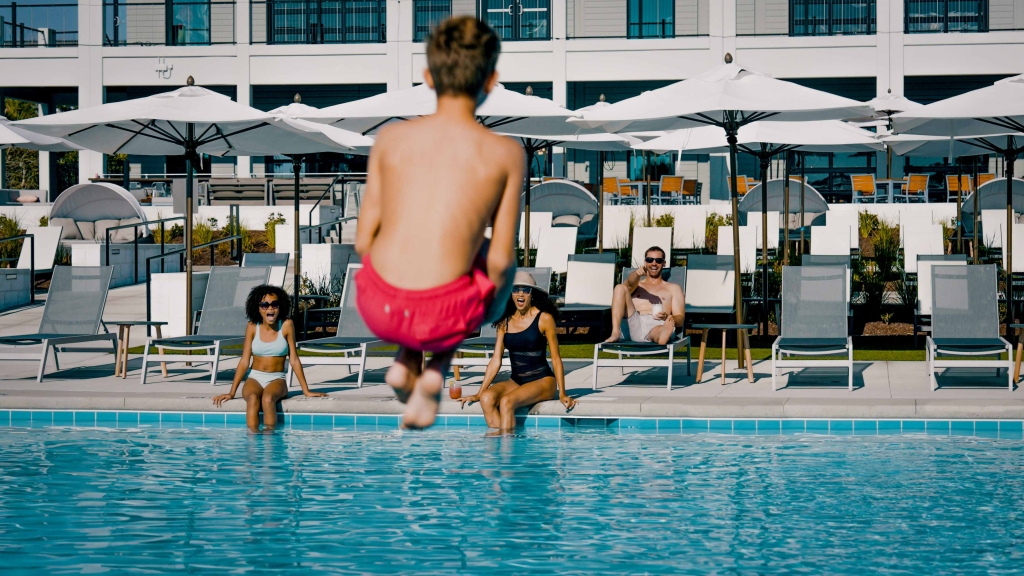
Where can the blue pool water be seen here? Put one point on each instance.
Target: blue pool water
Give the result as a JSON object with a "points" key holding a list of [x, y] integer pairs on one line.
{"points": [[585, 502]]}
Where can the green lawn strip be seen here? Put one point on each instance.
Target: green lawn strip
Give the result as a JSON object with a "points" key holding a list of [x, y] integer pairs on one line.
{"points": [[586, 351]]}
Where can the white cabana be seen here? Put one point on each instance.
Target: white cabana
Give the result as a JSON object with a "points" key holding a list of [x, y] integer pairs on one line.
{"points": [[96, 201]]}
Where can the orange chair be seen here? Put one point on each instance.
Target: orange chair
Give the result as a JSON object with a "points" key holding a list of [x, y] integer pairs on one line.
{"points": [[670, 190], [690, 194], [982, 178], [964, 187], [915, 190], [610, 187], [742, 185], [628, 193], [864, 189]]}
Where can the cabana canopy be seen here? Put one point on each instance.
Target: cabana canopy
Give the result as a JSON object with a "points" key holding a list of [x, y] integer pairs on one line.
{"points": [[96, 201], [992, 196], [814, 203], [565, 198]]}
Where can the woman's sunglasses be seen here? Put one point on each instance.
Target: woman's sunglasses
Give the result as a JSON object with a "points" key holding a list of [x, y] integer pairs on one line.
{"points": [[268, 305], [524, 289], [653, 260]]}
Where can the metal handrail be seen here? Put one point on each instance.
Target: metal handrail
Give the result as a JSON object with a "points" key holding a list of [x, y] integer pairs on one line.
{"points": [[341, 176], [320, 227], [31, 262], [180, 253], [135, 242]]}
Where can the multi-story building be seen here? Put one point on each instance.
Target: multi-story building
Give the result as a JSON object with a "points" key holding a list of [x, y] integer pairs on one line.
{"points": [[60, 53]]}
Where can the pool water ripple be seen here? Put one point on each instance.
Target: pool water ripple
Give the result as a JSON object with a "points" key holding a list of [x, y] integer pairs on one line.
{"points": [[584, 502]]}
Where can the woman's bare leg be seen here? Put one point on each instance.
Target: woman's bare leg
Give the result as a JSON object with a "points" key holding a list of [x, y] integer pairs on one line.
{"points": [[525, 395], [252, 393], [490, 399], [275, 391]]}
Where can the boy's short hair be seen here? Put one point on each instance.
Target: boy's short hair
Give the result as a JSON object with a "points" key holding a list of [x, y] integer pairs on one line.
{"points": [[462, 53]]}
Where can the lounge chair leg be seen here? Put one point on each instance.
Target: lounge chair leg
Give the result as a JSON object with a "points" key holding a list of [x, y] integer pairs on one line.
{"points": [[739, 346], [775, 384], [688, 360], [851, 367], [56, 361], [117, 351], [746, 355], [1010, 377], [622, 368], [216, 364], [42, 361], [163, 365], [671, 358], [700, 355], [349, 366], [117, 348], [1016, 364], [145, 363], [593, 381], [362, 366]]}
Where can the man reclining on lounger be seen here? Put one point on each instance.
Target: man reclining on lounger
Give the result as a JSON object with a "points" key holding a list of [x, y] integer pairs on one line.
{"points": [[653, 308], [433, 186]]}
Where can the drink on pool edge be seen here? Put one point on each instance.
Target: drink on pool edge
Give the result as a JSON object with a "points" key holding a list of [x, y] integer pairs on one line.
{"points": [[455, 390]]}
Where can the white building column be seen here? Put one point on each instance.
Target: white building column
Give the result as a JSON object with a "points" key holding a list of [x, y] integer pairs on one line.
{"points": [[90, 81], [44, 163], [559, 86], [895, 53], [243, 88]]}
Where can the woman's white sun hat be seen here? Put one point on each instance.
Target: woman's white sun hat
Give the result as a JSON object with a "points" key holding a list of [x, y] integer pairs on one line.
{"points": [[526, 279]]}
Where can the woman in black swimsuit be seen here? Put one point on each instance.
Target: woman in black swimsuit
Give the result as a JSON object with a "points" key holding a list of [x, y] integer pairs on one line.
{"points": [[527, 330]]}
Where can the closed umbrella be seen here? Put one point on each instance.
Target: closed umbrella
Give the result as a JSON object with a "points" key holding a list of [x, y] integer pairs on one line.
{"points": [[728, 97], [765, 140], [188, 121], [984, 117]]}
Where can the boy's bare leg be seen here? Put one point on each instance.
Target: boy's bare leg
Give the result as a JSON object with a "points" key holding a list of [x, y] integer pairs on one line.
{"points": [[421, 409], [622, 307], [403, 373]]}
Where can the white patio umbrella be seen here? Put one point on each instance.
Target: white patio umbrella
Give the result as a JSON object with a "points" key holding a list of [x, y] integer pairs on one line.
{"points": [[983, 117], [884, 107], [765, 140], [728, 97], [16, 137], [295, 138], [504, 111], [188, 121]]}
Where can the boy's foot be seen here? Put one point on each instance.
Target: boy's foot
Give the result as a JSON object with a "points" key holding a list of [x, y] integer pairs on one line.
{"points": [[402, 380], [421, 410]]}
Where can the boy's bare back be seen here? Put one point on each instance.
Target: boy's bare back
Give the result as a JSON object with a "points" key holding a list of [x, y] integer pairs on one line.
{"points": [[438, 182]]}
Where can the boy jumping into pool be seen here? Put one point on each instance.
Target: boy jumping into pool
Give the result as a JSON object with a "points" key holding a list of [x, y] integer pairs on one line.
{"points": [[428, 279]]}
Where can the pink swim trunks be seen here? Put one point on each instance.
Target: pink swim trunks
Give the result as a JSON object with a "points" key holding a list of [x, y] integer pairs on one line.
{"points": [[432, 320]]}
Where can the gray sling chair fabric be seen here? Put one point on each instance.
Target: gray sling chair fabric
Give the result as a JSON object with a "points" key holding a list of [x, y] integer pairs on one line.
{"points": [[923, 309], [709, 285], [271, 260], [222, 323], [965, 321], [353, 336], [484, 343], [647, 350], [603, 257], [72, 314], [814, 319]]}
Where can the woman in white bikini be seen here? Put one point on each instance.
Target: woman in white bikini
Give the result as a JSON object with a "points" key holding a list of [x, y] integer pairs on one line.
{"points": [[269, 342]]}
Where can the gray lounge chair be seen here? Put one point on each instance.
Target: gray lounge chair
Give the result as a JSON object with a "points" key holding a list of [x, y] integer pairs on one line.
{"points": [[602, 257], [814, 313], [278, 263], [222, 323], [965, 321], [72, 315], [709, 285], [646, 350], [923, 311], [353, 336]]}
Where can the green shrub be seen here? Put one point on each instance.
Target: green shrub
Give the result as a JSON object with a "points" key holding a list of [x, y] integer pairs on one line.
{"points": [[272, 221], [867, 223], [10, 227], [202, 233], [667, 220], [44, 221], [711, 225]]}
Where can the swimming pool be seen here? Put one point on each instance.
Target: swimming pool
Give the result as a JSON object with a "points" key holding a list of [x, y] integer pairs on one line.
{"points": [[454, 501]]}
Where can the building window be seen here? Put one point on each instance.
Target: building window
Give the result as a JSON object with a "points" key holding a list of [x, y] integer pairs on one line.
{"points": [[188, 23], [829, 173], [318, 21], [922, 16], [170, 23], [518, 19], [831, 17], [651, 19], [25, 25], [426, 15]]}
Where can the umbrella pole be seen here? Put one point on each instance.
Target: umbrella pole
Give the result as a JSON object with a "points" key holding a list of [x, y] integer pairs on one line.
{"points": [[296, 281], [888, 163], [526, 214], [647, 184], [974, 216], [600, 202], [1008, 159], [803, 189], [126, 173], [959, 206], [730, 134], [765, 159], [190, 137], [785, 215]]}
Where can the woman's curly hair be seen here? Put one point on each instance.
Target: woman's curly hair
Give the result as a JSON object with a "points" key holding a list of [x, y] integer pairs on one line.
{"points": [[539, 300], [256, 295]]}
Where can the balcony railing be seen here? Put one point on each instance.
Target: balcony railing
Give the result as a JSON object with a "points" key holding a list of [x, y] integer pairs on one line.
{"points": [[923, 16], [831, 17], [168, 22], [318, 22], [38, 25], [517, 19], [426, 15], [643, 19]]}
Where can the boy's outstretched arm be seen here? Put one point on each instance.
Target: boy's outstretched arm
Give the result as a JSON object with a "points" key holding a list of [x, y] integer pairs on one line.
{"points": [[501, 254], [369, 210]]}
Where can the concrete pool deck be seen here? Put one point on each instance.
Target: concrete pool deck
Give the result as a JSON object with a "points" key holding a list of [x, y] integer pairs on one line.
{"points": [[881, 389]]}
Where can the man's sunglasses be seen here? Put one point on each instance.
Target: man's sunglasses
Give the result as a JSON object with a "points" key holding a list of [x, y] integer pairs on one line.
{"points": [[524, 289], [268, 305], [654, 260]]}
